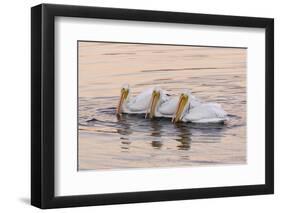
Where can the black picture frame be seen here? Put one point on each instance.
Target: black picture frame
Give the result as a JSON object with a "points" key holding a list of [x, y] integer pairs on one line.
{"points": [[43, 102]]}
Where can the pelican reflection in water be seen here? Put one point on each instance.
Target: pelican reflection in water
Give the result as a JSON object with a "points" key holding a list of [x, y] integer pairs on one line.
{"points": [[155, 131]]}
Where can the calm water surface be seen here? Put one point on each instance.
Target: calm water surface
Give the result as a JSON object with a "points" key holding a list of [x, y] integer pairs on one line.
{"points": [[212, 74]]}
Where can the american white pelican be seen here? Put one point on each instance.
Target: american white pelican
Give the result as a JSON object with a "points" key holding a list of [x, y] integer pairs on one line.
{"points": [[198, 113], [133, 105], [161, 104], [164, 105]]}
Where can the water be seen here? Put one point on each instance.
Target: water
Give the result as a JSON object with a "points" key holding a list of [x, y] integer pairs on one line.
{"points": [[212, 74]]}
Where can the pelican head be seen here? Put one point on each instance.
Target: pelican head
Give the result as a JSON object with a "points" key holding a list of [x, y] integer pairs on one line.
{"points": [[123, 97], [155, 97], [181, 107]]}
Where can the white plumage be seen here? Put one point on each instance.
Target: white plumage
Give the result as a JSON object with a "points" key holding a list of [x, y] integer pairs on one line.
{"points": [[165, 105], [190, 109], [205, 113], [161, 104], [167, 108], [138, 104]]}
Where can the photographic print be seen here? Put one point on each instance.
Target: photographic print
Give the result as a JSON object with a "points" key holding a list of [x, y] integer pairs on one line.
{"points": [[160, 105], [158, 100]]}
